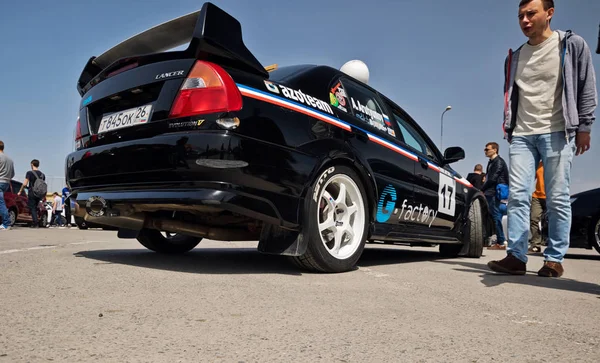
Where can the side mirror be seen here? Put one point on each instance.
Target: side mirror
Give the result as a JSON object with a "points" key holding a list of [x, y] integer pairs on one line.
{"points": [[453, 154]]}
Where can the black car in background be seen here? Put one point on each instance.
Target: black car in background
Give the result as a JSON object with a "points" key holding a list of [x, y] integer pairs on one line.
{"points": [[206, 143], [585, 226]]}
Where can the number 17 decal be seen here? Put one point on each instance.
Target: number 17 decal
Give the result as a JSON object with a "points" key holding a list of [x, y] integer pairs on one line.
{"points": [[447, 195]]}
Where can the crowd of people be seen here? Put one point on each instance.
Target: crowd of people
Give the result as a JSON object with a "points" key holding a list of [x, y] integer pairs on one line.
{"points": [[37, 189]]}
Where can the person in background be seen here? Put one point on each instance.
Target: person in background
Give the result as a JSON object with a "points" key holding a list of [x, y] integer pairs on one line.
{"points": [[550, 98], [477, 177], [67, 205], [7, 172], [538, 206], [57, 207], [497, 173], [32, 200]]}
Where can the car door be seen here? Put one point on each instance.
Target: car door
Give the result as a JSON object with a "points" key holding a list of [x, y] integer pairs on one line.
{"points": [[436, 188], [377, 145]]}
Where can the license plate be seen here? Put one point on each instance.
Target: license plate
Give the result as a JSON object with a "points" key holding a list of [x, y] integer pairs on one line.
{"points": [[126, 118]]}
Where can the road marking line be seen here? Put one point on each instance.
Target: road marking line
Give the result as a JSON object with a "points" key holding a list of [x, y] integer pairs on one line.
{"points": [[26, 249], [46, 247]]}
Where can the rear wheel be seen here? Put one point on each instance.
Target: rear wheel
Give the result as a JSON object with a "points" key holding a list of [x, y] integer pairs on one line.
{"points": [[473, 238], [338, 218], [169, 244]]}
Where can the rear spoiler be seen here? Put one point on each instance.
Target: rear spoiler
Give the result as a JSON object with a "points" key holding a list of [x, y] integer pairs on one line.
{"points": [[212, 35]]}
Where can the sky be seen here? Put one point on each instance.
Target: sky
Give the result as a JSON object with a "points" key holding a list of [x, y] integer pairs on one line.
{"points": [[423, 54]]}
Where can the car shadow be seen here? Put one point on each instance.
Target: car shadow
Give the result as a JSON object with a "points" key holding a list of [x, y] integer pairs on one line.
{"points": [[374, 256], [225, 261], [572, 256], [492, 279]]}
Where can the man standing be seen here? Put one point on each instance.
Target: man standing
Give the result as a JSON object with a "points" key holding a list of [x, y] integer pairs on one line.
{"points": [[550, 99], [67, 204], [477, 177], [538, 206], [7, 172], [33, 200], [496, 173]]}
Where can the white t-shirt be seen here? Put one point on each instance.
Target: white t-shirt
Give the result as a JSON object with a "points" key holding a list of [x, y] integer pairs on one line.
{"points": [[540, 83], [58, 201]]}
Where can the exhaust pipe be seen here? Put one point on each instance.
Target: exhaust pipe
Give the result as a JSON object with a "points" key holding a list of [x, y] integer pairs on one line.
{"points": [[138, 221]]}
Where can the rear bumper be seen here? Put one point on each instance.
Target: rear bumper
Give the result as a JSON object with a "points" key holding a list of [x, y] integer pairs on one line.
{"points": [[201, 168]]}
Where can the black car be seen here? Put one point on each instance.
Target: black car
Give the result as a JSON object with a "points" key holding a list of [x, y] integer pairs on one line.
{"points": [[206, 143], [585, 225]]}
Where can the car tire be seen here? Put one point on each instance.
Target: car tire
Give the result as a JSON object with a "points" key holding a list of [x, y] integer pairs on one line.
{"points": [[43, 221], [153, 240], [81, 224], [338, 218], [474, 236], [594, 233], [12, 217]]}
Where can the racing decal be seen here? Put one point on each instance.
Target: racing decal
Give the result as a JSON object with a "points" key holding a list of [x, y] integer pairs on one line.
{"points": [[282, 102], [279, 101], [386, 119], [338, 98], [196, 123], [420, 214], [384, 213], [320, 181], [87, 100], [299, 96], [386, 208], [271, 87], [372, 114], [378, 120], [446, 194]]}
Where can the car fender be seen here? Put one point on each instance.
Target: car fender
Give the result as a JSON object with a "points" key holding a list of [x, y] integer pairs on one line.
{"points": [[280, 241], [337, 152]]}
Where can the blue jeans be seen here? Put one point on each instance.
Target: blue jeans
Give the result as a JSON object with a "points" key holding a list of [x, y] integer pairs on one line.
{"points": [[494, 205], [3, 209], [556, 152]]}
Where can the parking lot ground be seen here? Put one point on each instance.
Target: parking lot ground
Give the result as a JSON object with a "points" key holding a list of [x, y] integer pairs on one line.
{"points": [[69, 295]]}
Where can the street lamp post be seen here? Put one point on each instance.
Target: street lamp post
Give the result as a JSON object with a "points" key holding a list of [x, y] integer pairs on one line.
{"points": [[448, 108]]}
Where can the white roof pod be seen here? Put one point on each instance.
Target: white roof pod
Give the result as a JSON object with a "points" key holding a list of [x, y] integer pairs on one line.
{"points": [[357, 69]]}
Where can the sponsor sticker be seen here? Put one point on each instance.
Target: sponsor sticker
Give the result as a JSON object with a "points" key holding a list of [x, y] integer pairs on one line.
{"points": [[271, 87], [196, 123], [299, 96]]}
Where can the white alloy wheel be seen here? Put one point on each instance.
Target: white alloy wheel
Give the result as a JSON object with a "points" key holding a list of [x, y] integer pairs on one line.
{"points": [[341, 216]]}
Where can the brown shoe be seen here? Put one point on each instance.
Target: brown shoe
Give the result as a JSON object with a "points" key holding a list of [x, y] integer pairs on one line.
{"points": [[508, 265], [497, 246], [551, 269]]}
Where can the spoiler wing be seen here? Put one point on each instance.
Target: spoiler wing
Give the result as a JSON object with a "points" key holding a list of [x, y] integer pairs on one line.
{"points": [[211, 33]]}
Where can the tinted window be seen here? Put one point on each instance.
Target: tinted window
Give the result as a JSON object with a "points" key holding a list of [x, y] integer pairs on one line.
{"points": [[365, 106], [412, 138]]}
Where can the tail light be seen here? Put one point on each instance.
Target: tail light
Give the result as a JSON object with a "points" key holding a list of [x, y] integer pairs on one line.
{"points": [[207, 89], [78, 134]]}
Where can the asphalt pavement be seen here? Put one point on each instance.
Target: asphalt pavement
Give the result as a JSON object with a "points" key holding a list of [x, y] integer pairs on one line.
{"points": [[69, 296]]}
